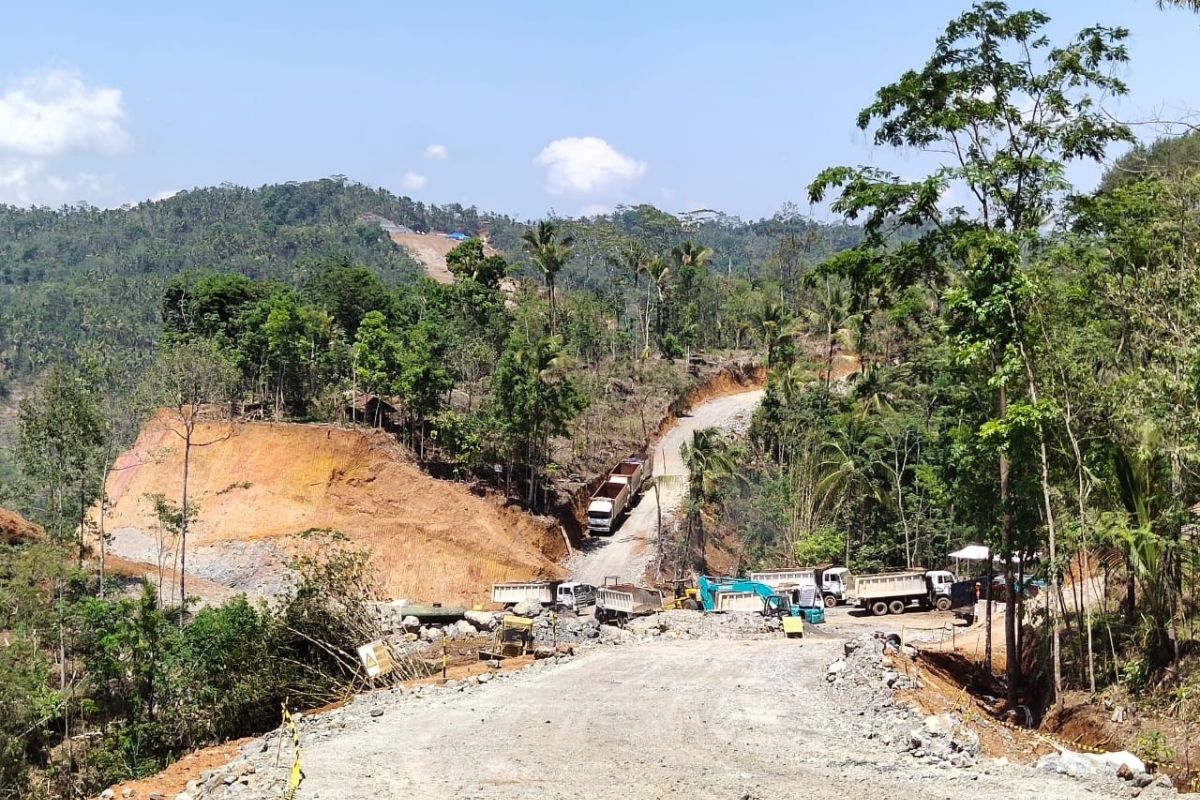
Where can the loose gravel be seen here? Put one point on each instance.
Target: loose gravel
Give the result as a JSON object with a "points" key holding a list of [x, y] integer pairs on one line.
{"points": [[675, 705]]}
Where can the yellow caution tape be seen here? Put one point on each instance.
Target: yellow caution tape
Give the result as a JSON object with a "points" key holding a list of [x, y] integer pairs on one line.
{"points": [[297, 773]]}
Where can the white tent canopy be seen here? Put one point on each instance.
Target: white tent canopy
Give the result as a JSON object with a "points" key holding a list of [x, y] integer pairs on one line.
{"points": [[972, 552]]}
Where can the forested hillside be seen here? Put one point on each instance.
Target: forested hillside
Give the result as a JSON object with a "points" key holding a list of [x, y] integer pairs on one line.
{"points": [[985, 354]]}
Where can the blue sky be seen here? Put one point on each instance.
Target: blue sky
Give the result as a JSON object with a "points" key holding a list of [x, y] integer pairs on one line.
{"points": [[532, 106]]}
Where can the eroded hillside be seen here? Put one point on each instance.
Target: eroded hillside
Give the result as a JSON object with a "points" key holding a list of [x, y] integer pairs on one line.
{"points": [[259, 486]]}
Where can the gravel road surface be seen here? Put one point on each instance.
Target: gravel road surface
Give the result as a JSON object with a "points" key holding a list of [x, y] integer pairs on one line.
{"points": [[722, 719], [628, 551]]}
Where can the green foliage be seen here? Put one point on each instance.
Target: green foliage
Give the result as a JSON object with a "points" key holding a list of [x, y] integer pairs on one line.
{"points": [[823, 546], [534, 398], [467, 261], [347, 293], [60, 439]]}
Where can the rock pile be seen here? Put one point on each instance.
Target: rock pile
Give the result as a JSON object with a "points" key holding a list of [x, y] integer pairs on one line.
{"points": [[1103, 766], [669, 625]]}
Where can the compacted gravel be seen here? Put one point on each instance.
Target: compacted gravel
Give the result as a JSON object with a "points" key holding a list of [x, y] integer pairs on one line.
{"points": [[647, 715]]}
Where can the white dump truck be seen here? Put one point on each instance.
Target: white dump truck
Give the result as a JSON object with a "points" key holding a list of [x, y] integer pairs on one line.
{"points": [[620, 602], [830, 581], [509, 594], [894, 592], [617, 492]]}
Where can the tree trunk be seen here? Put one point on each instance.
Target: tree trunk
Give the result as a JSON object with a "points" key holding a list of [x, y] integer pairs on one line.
{"points": [[1012, 665], [183, 526]]}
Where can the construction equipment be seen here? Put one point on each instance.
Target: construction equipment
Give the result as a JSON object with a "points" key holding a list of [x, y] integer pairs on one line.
{"points": [[513, 638], [686, 597], [617, 492], [509, 594], [831, 581], [620, 602], [740, 594], [893, 592]]}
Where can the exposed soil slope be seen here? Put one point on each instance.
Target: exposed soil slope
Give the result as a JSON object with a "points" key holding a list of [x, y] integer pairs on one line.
{"points": [[259, 485], [15, 529]]}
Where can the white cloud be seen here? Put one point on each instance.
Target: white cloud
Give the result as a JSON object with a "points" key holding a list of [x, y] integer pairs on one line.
{"points": [[586, 164], [53, 112], [165, 194], [26, 181], [413, 181], [438, 152], [595, 210]]}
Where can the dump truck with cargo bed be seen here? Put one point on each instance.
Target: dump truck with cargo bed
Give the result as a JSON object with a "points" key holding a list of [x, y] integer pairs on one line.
{"points": [[513, 592], [893, 592], [620, 602], [617, 493], [831, 581]]}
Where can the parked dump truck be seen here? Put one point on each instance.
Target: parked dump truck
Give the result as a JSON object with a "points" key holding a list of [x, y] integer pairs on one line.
{"points": [[509, 594], [617, 493], [830, 580], [894, 592], [620, 602]]}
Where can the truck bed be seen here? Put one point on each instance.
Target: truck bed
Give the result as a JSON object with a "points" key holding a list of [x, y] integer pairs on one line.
{"points": [[888, 585], [628, 599]]}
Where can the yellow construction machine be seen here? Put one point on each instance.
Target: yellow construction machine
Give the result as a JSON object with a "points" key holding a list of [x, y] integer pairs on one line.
{"points": [[513, 638], [685, 597]]}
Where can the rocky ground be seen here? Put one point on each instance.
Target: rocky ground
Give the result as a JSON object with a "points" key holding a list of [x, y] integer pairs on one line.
{"points": [[674, 705]]}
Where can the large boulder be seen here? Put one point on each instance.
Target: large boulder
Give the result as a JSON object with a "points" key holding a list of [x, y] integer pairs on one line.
{"points": [[482, 620], [465, 629], [410, 623], [528, 608]]}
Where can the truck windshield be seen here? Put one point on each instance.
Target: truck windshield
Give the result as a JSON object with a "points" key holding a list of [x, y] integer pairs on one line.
{"points": [[598, 514]]}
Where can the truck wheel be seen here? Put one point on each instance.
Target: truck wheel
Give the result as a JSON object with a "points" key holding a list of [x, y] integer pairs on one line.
{"points": [[942, 604], [691, 605], [879, 608], [896, 606], [830, 601]]}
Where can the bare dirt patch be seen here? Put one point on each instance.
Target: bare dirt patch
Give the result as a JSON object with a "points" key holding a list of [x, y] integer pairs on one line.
{"points": [[261, 486]]}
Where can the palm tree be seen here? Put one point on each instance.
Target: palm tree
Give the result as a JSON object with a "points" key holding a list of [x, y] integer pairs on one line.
{"points": [[710, 463], [849, 466], [549, 253], [689, 254], [659, 272], [831, 316], [769, 320]]}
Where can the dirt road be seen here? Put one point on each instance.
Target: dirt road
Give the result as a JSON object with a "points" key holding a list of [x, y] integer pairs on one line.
{"points": [[627, 552], [721, 719]]}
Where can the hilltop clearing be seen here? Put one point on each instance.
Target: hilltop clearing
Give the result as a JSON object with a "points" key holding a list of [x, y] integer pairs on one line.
{"points": [[263, 489]]}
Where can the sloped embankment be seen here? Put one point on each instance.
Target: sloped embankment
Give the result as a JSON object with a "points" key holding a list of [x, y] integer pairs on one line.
{"points": [[258, 486]]}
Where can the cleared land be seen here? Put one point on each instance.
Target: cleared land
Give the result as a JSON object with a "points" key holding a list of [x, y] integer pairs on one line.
{"points": [[728, 719], [260, 486]]}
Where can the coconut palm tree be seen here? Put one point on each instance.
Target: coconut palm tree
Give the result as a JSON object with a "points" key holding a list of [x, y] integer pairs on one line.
{"points": [[769, 321], [549, 253], [710, 463], [831, 316]]}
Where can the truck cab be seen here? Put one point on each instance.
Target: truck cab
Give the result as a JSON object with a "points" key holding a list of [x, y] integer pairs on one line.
{"points": [[940, 581], [834, 583], [575, 595]]}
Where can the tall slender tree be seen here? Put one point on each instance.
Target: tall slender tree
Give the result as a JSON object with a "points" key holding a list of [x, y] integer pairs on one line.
{"points": [[1008, 111], [188, 382], [549, 253]]}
